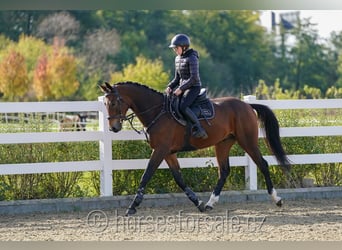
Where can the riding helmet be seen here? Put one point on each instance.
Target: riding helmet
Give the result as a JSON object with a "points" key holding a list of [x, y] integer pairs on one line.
{"points": [[181, 40]]}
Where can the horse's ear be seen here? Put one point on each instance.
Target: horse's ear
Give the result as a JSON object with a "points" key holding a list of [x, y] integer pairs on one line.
{"points": [[108, 86], [103, 88]]}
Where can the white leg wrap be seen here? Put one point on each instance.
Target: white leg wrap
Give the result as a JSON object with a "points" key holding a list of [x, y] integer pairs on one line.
{"points": [[213, 199], [275, 197]]}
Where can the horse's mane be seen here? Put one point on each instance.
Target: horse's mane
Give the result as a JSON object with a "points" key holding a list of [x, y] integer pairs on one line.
{"points": [[139, 85]]}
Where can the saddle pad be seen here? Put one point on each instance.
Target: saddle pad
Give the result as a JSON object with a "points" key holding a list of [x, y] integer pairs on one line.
{"points": [[204, 110]]}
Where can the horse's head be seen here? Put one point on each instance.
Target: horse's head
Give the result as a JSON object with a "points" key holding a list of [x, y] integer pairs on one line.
{"points": [[115, 105], [81, 121]]}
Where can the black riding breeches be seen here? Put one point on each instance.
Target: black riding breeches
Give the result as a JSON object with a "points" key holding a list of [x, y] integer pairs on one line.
{"points": [[188, 97]]}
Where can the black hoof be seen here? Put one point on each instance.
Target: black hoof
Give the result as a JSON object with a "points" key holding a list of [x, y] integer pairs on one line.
{"points": [[208, 208], [279, 203], [130, 211], [200, 206]]}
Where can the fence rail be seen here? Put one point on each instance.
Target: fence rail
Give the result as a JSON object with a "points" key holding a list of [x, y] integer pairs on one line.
{"points": [[107, 164]]}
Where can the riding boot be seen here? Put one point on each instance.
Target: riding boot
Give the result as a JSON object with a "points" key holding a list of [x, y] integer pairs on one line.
{"points": [[199, 131]]}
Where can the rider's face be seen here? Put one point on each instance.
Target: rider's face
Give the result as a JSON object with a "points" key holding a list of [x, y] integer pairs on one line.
{"points": [[178, 50]]}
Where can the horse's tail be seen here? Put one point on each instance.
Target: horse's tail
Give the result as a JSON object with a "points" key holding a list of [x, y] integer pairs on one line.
{"points": [[271, 127]]}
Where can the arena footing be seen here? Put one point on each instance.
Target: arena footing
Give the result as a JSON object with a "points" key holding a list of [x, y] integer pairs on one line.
{"points": [[158, 200]]}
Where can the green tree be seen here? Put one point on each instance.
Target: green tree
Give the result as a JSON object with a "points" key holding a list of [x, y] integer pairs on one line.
{"points": [[237, 44], [333, 92], [4, 42], [308, 60], [17, 22], [148, 72]]}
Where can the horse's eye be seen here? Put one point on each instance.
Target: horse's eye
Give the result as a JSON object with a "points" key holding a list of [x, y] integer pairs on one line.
{"points": [[109, 103]]}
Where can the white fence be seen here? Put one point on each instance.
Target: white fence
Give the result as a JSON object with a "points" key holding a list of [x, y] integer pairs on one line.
{"points": [[107, 164]]}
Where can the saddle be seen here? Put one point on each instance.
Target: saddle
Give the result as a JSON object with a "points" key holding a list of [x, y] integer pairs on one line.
{"points": [[202, 107]]}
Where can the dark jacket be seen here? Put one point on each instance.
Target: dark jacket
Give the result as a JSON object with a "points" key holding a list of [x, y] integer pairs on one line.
{"points": [[186, 71]]}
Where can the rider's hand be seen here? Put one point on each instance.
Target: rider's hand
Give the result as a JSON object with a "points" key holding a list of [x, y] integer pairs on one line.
{"points": [[168, 90], [178, 91]]}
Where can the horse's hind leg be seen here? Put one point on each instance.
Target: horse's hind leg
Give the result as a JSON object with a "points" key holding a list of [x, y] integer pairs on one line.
{"points": [[222, 155], [254, 152], [173, 164]]}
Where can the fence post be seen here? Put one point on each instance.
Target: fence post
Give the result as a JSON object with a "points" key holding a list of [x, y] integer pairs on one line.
{"points": [[106, 180], [251, 177]]}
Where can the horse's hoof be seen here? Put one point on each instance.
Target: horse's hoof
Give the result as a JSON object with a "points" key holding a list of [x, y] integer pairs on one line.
{"points": [[279, 203], [208, 208], [200, 206], [130, 211]]}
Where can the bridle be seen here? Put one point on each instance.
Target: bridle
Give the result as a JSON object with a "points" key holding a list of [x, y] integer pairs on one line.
{"points": [[131, 116], [119, 101]]}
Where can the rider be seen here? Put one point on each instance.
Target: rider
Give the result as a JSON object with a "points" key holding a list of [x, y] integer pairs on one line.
{"points": [[187, 82]]}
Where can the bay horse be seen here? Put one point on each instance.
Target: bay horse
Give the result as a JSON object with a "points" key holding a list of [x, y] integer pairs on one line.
{"points": [[73, 123], [234, 121]]}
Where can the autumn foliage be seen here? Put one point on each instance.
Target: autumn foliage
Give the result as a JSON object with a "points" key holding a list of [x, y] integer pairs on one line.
{"points": [[13, 76], [55, 75], [41, 79], [26, 75]]}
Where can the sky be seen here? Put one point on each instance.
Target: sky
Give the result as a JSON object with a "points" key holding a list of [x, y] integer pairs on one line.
{"points": [[326, 20]]}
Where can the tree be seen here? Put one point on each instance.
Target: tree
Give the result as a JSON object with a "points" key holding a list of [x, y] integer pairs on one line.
{"points": [[61, 25], [55, 76], [307, 60], [143, 32], [336, 41], [62, 71], [99, 47], [42, 79], [334, 92], [237, 44], [19, 22], [235, 50], [149, 72], [13, 76], [4, 42], [31, 48]]}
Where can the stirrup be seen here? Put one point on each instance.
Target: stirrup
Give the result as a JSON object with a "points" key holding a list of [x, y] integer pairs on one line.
{"points": [[200, 133]]}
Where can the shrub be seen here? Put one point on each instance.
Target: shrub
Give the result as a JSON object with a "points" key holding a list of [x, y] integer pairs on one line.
{"points": [[200, 179]]}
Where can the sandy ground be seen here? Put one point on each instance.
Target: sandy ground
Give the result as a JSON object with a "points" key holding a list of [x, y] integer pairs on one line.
{"points": [[253, 221]]}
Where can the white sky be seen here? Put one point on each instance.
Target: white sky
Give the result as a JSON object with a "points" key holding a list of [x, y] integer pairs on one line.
{"points": [[326, 20]]}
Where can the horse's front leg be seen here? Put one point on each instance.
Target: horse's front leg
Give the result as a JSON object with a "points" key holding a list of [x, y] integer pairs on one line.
{"points": [[157, 157], [173, 164]]}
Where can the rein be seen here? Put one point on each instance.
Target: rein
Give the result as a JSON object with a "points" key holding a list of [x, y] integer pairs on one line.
{"points": [[131, 117]]}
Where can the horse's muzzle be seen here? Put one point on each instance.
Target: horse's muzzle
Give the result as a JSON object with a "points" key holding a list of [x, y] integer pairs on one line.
{"points": [[116, 127], [115, 130]]}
